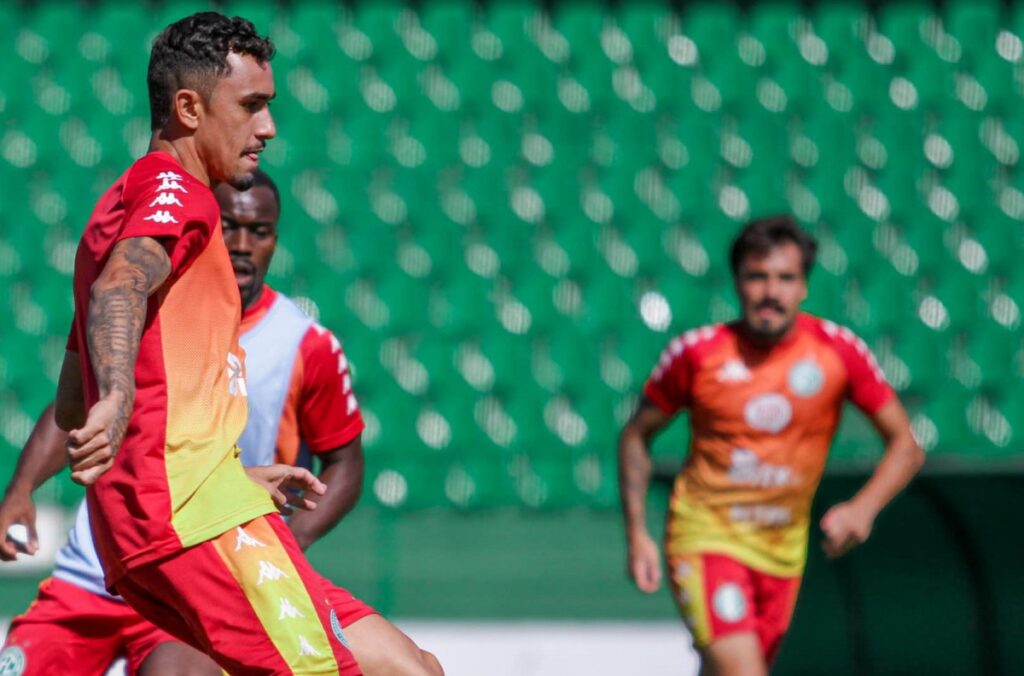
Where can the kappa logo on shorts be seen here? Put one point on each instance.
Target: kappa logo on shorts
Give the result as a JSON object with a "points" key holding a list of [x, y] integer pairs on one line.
{"points": [[806, 378], [336, 628], [12, 661], [729, 603]]}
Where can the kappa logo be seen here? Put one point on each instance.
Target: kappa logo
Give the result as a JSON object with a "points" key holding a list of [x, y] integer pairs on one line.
{"points": [[243, 539], [305, 649], [161, 217], [770, 412], [729, 603], [269, 571], [12, 661], [166, 199], [806, 378], [170, 181], [733, 371], [289, 611], [169, 176], [236, 380]]}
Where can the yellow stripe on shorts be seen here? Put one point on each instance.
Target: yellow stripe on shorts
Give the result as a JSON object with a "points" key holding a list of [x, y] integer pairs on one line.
{"points": [[261, 565], [687, 573]]}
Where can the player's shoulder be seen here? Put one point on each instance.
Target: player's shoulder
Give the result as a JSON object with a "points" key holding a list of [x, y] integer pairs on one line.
{"points": [[695, 342], [832, 334], [158, 172]]}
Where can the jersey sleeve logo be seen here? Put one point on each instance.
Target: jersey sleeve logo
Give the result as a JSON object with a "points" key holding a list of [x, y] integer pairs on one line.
{"points": [[170, 181], [166, 199], [236, 378], [806, 378], [161, 217]]}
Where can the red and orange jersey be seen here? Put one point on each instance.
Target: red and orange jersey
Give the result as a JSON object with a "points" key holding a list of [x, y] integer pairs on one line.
{"points": [[320, 409], [177, 480], [762, 422]]}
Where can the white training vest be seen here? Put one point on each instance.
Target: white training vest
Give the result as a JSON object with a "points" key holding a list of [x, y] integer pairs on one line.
{"points": [[270, 350]]}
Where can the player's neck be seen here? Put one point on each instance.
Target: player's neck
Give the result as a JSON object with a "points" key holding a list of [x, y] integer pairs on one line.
{"points": [[181, 148], [761, 341]]}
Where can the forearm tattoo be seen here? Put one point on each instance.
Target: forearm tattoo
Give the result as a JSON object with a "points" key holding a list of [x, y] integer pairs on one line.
{"points": [[117, 313]]}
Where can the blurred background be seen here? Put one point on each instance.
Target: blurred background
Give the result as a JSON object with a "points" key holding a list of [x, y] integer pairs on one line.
{"points": [[506, 209]]}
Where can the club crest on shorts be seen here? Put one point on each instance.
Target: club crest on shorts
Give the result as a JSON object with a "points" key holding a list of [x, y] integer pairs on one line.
{"points": [[806, 378], [336, 628], [769, 412], [728, 603], [12, 661]]}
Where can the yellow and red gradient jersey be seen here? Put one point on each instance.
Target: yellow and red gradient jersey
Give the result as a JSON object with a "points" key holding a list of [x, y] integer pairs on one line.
{"points": [[762, 421], [176, 480]]}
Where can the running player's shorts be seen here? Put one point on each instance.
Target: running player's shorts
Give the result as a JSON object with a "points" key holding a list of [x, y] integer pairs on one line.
{"points": [[249, 599], [68, 630], [718, 596]]}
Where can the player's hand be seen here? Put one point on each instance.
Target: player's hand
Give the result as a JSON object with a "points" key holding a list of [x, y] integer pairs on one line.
{"points": [[17, 507], [644, 562], [845, 526], [288, 485], [92, 447]]}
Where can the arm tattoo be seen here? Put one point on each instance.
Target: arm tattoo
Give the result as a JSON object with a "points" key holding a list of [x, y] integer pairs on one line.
{"points": [[117, 313]]}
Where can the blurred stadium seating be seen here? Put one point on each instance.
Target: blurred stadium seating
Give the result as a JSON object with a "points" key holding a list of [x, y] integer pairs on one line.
{"points": [[506, 210]]}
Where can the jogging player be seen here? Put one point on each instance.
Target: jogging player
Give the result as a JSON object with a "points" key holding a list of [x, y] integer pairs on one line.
{"points": [[300, 404], [765, 394], [153, 389]]}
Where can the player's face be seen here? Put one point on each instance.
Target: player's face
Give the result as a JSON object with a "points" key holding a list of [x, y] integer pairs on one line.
{"points": [[771, 285], [250, 233], [237, 122]]}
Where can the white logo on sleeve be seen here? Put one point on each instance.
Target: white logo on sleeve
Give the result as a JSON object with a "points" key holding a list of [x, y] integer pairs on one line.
{"points": [[269, 571], [243, 539], [806, 378], [166, 199], [729, 603], [289, 611], [236, 381], [769, 412], [170, 181], [305, 649], [163, 217]]}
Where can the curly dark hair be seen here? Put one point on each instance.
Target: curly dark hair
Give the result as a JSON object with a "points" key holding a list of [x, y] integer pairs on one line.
{"points": [[763, 234], [192, 53]]}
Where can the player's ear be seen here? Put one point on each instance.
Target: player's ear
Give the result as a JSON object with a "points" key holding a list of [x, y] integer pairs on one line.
{"points": [[187, 107]]}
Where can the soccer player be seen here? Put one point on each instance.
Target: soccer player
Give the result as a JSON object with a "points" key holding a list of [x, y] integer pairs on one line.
{"points": [[765, 393], [300, 402], [153, 390]]}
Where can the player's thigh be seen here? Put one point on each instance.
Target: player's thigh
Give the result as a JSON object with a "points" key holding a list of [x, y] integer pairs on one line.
{"points": [[776, 597], [736, 654], [66, 630], [382, 649], [176, 659], [256, 608]]}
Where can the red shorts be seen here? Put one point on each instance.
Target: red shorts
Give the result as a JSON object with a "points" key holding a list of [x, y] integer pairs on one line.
{"points": [[68, 630], [249, 599], [718, 596]]}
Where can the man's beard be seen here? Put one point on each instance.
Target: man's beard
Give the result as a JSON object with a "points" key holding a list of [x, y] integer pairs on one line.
{"points": [[243, 182]]}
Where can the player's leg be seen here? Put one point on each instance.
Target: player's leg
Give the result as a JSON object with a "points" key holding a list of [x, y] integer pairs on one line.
{"points": [[380, 648], [150, 651], [66, 630], [715, 597], [256, 608]]}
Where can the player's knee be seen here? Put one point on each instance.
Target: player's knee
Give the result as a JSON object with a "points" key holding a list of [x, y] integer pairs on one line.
{"points": [[431, 663]]}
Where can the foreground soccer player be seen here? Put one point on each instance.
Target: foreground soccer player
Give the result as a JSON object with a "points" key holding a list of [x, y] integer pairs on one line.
{"points": [[153, 385], [300, 402], [765, 395]]}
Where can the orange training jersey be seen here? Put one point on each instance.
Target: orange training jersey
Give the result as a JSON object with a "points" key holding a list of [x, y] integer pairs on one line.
{"points": [[176, 480], [762, 422]]}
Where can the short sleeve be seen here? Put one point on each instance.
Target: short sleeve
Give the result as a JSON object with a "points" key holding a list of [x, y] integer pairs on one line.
{"points": [[161, 202], [866, 387], [329, 414], [669, 385]]}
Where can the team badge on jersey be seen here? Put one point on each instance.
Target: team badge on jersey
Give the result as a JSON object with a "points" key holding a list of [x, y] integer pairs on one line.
{"points": [[336, 628], [769, 412], [729, 603], [806, 378], [12, 661]]}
